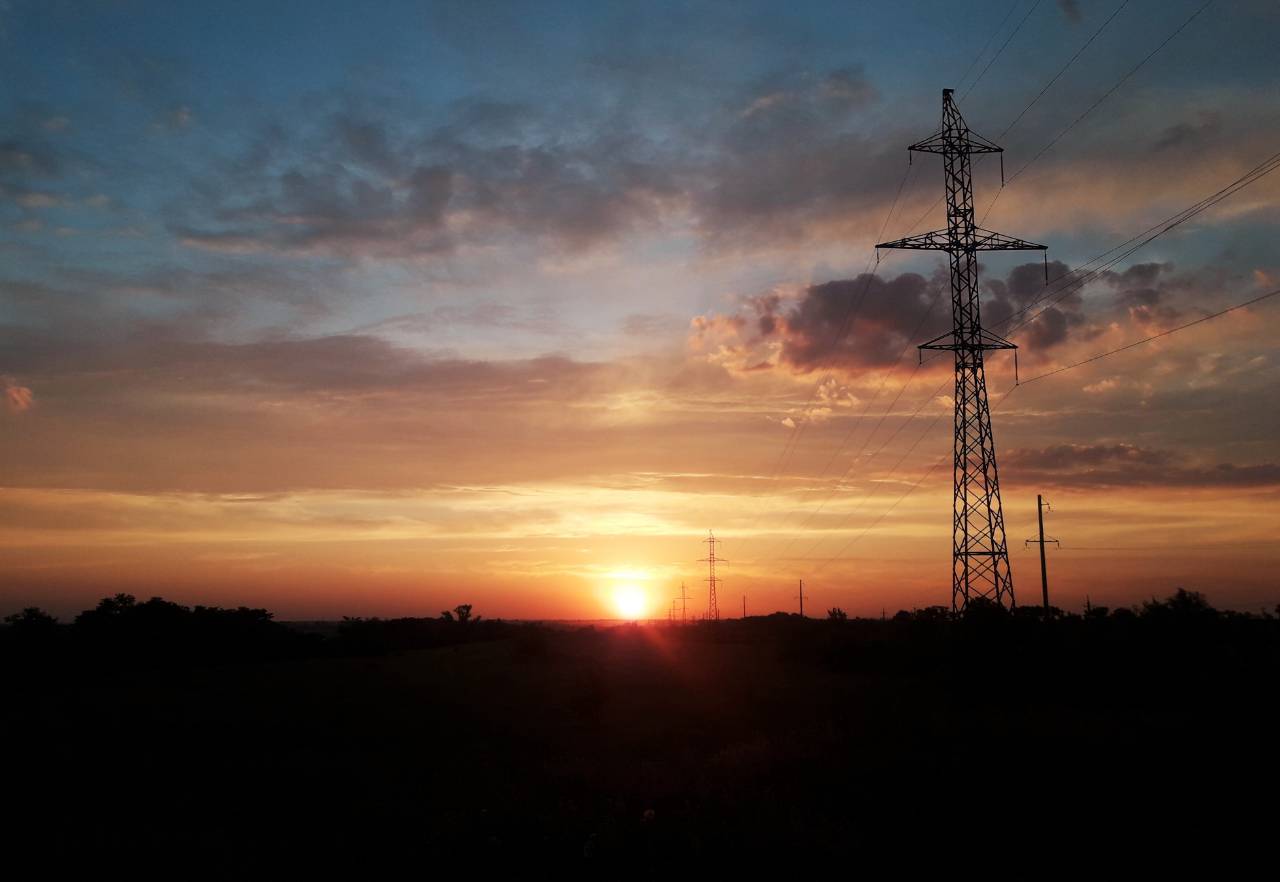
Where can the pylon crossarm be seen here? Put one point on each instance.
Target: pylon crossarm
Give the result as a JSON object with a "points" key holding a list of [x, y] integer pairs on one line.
{"points": [[986, 240], [949, 142], [933, 241], [983, 240], [942, 341], [995, 341], [947, 342]]}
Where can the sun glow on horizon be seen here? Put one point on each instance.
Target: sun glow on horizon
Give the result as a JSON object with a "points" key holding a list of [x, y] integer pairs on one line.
{"points": [[631, 601]]}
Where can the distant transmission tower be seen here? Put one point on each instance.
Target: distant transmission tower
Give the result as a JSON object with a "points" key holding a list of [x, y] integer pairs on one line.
{"points": [[684, 603], [980, 557], [713, 609]]}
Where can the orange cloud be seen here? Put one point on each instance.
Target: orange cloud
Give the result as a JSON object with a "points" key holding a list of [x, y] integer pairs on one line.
{"points": [[17, 398]]}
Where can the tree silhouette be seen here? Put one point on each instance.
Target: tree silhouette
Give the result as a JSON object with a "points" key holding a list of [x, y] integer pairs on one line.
{"points": [[836, 614], [108, 608], [1184, 606], [31, 620]]}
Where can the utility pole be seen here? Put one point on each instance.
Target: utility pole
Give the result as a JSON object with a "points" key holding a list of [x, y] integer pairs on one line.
{"points": [[744, 606], [802, 598], [713, 608], [980, 556], [1041, 505]]}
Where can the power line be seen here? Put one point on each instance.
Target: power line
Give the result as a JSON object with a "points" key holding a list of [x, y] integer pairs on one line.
{"points": [[1116, 86], [1008, 392], [1105, 95], [1250, 177], [1144, 340], [999, 51], [798, 430], [1073, 279], [1091, 108], [883, 446], [983, 50], [919, 220], [1058, 75], [897, 465], [1074, 282], [911, 489], [853, 308], [858, 422]]}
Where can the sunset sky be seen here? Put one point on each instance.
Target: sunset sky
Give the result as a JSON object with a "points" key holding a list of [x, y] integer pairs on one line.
{"points": [[373, 309]]}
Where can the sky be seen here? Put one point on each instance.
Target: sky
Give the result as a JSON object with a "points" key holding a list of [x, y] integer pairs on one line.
{"points": [[373, 309]]}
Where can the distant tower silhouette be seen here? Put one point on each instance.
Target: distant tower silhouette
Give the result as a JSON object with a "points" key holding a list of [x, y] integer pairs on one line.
{"points": [[802, 598], [684, 603], [713, 608], [980, 556]]}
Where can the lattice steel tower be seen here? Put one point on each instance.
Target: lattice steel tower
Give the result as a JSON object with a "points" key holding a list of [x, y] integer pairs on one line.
{"points": [[713, 608], [980, 558]]}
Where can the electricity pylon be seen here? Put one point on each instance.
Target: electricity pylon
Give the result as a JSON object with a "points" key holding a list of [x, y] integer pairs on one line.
{"points": [[713, 608], [980, 556]]}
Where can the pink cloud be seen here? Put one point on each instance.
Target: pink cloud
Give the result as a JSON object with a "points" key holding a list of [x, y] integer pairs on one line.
{"points": [[17, 398]]}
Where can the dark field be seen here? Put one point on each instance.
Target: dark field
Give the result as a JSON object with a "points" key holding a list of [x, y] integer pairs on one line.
{"points": [[620, 750]]}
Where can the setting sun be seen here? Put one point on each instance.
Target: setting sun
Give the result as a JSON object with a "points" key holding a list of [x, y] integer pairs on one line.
{"points": [[630, 601]]}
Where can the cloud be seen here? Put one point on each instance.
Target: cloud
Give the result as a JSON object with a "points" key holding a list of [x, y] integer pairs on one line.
{"points": [[1071, 10], [1154, 296], [650, 325], [869, 321], [848, 324], [792, 99], [1075, 456], [1015, 297], [176, 119], [25, 159], [1123, 465], [1186, 134], [367, 188], [38, 200], [17, 399], [569, 182]]}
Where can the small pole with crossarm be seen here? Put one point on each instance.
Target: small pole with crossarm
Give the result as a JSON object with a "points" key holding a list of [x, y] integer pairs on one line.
{"points": [[1041, 505]]}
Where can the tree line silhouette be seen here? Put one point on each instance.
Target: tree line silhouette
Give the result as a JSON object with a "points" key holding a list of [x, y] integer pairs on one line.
{"points": [[124, 630], [228, 734], [158, 632]]}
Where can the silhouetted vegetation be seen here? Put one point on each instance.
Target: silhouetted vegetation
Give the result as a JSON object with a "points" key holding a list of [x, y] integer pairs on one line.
{"points": [[374, 636], [225, 734]]}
